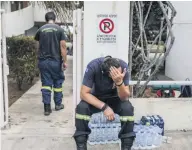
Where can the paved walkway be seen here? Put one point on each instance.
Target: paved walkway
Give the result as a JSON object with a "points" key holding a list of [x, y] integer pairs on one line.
{"points": [[31, 130]]}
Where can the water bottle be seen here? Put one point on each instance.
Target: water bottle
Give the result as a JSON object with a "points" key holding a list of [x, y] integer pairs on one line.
{"points": [[99, 117], [135, 143], [145, 120], [149, 139], [136, 128], [104, 119], [161, 124], [117, 118], [142, 139], [112, 134], [93, 118], [116, 133], [103, 140], [156, 120], [97, 135], [153, 120], [96, 118], [157, 140], [157, 130], [139, 139], [102, 132], [150, 120], [93, 135]]}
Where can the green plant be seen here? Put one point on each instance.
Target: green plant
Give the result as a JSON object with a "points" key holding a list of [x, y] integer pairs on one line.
{"points": [[22, 59]]}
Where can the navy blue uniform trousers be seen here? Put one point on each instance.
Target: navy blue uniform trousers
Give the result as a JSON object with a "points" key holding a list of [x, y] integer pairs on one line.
{"points": [[52, 78], [121, 107]]}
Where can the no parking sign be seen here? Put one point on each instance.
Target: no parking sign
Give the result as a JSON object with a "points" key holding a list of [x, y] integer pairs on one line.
{"points": [[106, 28]]}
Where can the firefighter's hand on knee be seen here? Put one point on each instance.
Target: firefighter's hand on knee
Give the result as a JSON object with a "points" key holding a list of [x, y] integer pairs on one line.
{"points": [[109, 114]]}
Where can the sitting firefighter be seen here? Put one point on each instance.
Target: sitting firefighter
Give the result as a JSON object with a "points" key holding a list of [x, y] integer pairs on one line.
{"points": [[105, 88]]}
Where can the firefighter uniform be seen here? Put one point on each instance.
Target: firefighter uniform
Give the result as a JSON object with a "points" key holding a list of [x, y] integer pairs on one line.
{"points": [[103, 88], [50, 61], [52, 78], [123, 108]]}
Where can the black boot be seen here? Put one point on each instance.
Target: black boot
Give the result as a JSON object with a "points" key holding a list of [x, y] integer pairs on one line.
{"points": [[59, 107], [81, 142], [126, 143], [47, 109]]}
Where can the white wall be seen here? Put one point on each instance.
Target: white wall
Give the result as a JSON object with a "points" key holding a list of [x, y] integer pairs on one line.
{"points": [[91, 28], [179, 61], [18, 21], [176, 112]]}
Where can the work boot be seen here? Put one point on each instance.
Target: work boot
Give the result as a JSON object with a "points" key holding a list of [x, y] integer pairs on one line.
{"points": [[126, 143], [81, 142], [59, 107], [47, 109]]}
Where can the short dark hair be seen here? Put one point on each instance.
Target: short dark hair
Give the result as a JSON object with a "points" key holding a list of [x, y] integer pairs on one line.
{"points": [[50, 16], [108, 63]]}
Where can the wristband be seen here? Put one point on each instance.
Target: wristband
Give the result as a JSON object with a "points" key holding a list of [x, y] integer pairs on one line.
{"points": [[104, 107], [119, 84]]}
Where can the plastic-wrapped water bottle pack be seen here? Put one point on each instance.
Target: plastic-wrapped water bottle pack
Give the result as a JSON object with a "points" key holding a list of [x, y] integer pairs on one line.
{"points": [[148, 132], [103, 131], [153, 120], [147, 137]]}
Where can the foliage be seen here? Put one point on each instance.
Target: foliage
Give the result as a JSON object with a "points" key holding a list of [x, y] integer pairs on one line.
{"points": [[22, 58], [62, 9]]}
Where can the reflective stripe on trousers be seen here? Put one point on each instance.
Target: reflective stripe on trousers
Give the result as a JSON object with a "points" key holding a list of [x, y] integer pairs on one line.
{"points": [[57, 89], [88, 118], [50, 89], [47, 88]]}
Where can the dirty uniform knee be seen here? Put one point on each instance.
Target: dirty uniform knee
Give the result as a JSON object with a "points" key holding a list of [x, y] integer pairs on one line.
{"points": [[127, 108], [83, 108], [127, 120]]}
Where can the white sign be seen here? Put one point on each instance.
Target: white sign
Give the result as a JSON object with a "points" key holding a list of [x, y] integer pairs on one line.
{"points": [[106, 25], [102, 38]]}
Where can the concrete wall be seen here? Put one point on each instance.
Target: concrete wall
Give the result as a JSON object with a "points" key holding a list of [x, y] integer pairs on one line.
{"points": [[179, 61], [18, 21], [176, 113]]}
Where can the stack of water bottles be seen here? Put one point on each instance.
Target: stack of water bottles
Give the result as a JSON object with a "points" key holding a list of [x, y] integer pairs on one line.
{"points": [[149, 131], [102, 130]]}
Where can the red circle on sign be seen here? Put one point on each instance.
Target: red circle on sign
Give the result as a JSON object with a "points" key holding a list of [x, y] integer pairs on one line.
{"points": [[109, 26]]}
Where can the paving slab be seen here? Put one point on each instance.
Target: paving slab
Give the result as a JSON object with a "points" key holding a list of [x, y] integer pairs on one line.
{"points": [[180, 141]]}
